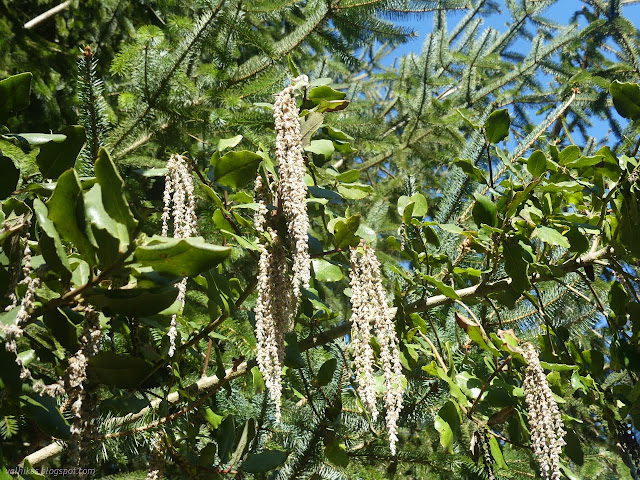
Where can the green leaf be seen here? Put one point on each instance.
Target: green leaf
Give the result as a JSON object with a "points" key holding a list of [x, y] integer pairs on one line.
{"points": [[37, 138], [225, 143], [497, 126], [325, 374], [324, 92], [123, 371], [569, 155], [470, 169], [496, 453], [15, 94], [515, 265], [62, 211], [265, 461], [350, 176], [45, 413], [112, 185], [447, 423], [62, 328], [226, 438], [54, 158], [111, 237], [537, 163], [326, 271], [236, 169], [50, 243], [551, 236], [573, 447], [132, 302], [444, 288], [9, 177], [626, 99], [336, 453], [484, 211], [344, 232], [258, 381], [421, 207], [183, 257], [212, 418], [310, 125], [321, 147], [354, 191], [618, 299]]}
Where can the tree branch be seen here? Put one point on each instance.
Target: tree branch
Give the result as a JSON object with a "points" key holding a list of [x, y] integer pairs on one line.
{"points": [[43, 16]]}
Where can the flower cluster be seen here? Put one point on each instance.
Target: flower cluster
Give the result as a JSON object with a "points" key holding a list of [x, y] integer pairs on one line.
{"points": [[370, 311], [14, 331], [547, 430], [292, 191], [274, 312], [178, 189], [156, 459], [279, 284], [82, 428]]}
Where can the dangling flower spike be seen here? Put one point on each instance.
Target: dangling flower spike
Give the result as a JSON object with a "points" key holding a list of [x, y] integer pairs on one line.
{"points": [[547, 429], [370, 311], [178, 190]]}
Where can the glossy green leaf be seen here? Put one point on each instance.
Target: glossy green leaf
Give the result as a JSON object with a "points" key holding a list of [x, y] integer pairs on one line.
{"points": [[484, 211], [515, 265], [50, 243], [15, 93], [310, 125], [568, 155], [183, 257], [336, 453], [123, 371], [537, 164], [326, 271], [63, 329], [46, 415], [344, 232], [236, 169], [497, 126], [626, 99], [132, 302], [447, 423], [324, 92], [37, 138], [444, 288], [551, 236], [354, 191], [110, 237], [265, 461], [54, 158], [325, 374], [321, 147], [258, 381], [225, 143], [9, 177], [470, 169], [496, 453], [112, 184], [63, 212], [212, 418]]}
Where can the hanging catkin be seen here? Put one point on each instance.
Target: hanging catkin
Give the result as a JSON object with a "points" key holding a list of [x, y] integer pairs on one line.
{"points": [[178, 190], [547, 430], [371, 312]]}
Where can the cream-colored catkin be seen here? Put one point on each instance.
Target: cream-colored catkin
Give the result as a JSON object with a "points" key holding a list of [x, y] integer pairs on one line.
{"points": [[545, 421], [292, 189], [179, 192], [371, 312], [156, 459], [274, 315], [83, 426]]}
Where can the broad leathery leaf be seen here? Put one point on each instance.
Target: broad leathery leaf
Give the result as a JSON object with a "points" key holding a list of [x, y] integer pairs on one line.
{"points": [[236, 169], [36, 139], [484, 211], [212, 418], [225, 143], [123, 371], [324, 92], [496, 453], [568, 155], [336, 453], [50, 243], [46, 415], [63, 212], [112, 185], [321, 147], [626, 99], [54, 158], [226, 438], [258, 381], [447, 423], [344, 230], [444, 288], [551, 236], [111, 238], [265, 461], [325, 374], [497, 126], [537, 163], [354, 191], [183, 257], [310, 125], [470, 169], [15, 94], [132, 302], [62, 328], [326, 271], [9, 177], [515, 265]]}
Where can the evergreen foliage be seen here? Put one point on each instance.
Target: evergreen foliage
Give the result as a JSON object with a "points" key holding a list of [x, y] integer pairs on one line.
{"points": [[480, 171]]}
